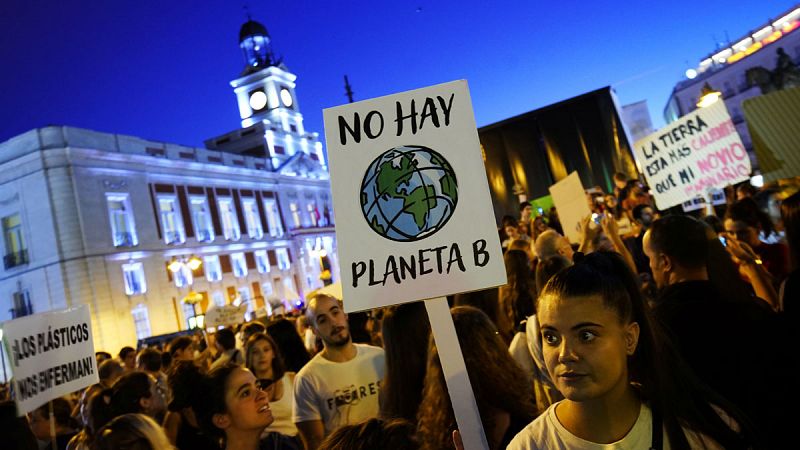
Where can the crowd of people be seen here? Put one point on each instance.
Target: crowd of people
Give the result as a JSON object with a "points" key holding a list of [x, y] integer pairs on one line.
{"points": [[656, 330]]}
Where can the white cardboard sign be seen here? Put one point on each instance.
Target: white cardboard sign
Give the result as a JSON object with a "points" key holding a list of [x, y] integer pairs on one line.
{"points": [[697, 152], [413, 211], [225, 315], [570, 200], [52, 354]]}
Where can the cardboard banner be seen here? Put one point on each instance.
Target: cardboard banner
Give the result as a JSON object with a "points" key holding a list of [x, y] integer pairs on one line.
{"points": [[411, 198], [51, 355], [570, 200], [697, 152], [225, 315]]}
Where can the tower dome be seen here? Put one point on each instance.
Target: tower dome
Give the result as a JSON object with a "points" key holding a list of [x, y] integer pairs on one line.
{"points": [[254, 42]]}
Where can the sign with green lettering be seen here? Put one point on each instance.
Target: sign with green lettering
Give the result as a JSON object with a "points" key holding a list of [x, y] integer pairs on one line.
{"points": [[413, 211]]}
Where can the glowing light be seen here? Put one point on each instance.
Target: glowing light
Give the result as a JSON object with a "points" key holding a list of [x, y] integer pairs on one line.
{"points": [[708, 96], [174, 266], [691, 73], [773, 37], [194, 263], [757, 180]]}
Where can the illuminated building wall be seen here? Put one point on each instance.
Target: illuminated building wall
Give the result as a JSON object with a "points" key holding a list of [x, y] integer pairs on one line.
{"points": [[725, 71], [95, 218]]}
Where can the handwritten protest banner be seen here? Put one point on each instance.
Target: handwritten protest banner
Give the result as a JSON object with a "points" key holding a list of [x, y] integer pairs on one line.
{"points": [[699, 151], [225, 315], [410, 188], [52, 354], [570, 200]]}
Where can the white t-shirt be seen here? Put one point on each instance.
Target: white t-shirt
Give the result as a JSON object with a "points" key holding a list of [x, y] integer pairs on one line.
{"points": [[339, 393], [546, 432], [282, 408]]}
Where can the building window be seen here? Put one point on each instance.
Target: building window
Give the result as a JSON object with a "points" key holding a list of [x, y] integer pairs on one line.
{"points": [[295, 215], [171, 223], [135, 283], [218, 298], [273, 218], [239, 264], [22, 304], [230, 225], [244, 298], [262, 261], [202, 219], [120, 214], [252, 220], [16, 252], [141, 322], [188, 313], [313, 214], [283, 258], [289, 290], [213, 268], [183, 277], [266, 289]]}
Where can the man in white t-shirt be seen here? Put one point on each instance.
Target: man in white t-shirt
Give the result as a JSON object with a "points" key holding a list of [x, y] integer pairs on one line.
{"points": [[340, 385]]}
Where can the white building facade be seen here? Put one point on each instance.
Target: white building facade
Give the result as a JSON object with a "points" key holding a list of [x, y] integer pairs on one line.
{"points": [[726, 71], [133, 227]]}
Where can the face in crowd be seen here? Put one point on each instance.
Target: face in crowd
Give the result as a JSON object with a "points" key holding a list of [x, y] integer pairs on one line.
{"points": [[512, 232], [742, 232], [525, 215], [329, 321], [586, 346], [246, 404], [262, 355], [647, 216]]}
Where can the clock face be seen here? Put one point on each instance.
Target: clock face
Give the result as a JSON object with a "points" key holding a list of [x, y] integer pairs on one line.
{"points": [[286, 97], [258, 100]]}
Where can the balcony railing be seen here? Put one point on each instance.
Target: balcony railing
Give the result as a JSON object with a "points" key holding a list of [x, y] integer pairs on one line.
{"points": [[124, 239], [15, 259], [204, 236], [173, 237]]}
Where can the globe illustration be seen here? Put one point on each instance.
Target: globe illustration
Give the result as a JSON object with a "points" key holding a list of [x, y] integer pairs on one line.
{"points": [[408, 193]]}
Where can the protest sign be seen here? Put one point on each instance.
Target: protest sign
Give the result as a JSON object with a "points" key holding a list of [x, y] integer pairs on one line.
{"points": [[570, 200], [541, 206], [408, 181], [51, 355], [225, 315], [686, 158], [411, 198]]}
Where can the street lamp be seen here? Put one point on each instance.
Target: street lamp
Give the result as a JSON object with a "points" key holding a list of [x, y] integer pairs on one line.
{"points": [[708, 96], [177, 264]]}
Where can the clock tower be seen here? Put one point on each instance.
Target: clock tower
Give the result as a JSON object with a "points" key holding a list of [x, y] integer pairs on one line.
{"points": [[265, 93]]}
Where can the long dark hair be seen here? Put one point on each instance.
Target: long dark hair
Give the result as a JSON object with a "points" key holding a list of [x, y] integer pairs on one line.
{"points": [[497, 381], [122, 398], [405, 340], [664, 380], [289, 343], [516, 297], [185, 380], [278, 365], [790, 213]]}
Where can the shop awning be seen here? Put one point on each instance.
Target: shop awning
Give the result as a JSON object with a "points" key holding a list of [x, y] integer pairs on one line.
{"points": [[774, 124]]}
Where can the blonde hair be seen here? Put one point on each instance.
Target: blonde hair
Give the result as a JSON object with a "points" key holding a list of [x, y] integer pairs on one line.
{"points": [[132, 432]]}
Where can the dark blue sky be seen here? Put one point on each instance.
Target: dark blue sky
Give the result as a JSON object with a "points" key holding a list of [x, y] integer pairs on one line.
{"points": [[160, 70]]}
